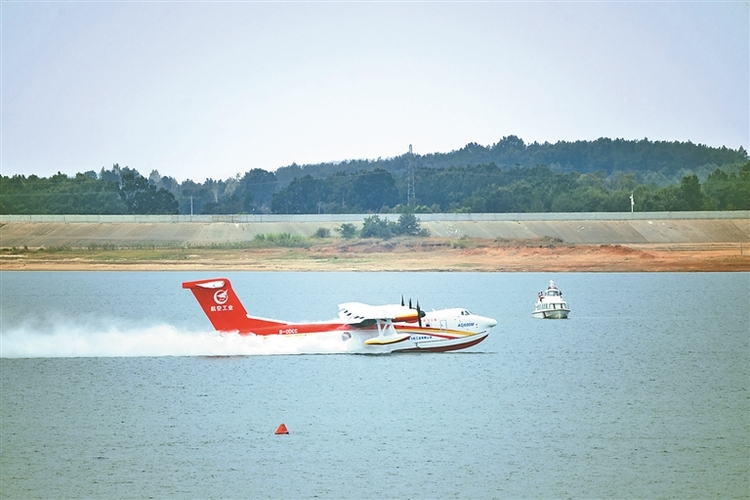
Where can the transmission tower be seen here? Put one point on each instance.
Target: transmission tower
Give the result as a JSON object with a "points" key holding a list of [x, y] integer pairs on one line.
{"points": [[410, 191]]}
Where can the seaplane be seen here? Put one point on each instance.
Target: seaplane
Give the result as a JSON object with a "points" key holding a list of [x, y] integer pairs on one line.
{"points": [[377, 329]]}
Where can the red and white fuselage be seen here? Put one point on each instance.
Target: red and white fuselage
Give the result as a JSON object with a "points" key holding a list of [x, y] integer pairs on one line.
{"points": [[387, 328]]}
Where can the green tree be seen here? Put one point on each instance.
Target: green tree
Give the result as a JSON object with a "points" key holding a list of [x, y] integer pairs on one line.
{"points": [[131, 184], [690, 193], [339, 193], [718, 189], [256, 190], [375, 227], [740, 194], [376, 189], [347, 230], [140, 197], [323, 232], [408, 224], [302, 196]]}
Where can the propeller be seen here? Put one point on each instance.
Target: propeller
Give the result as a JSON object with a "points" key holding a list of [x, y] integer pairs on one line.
{"points": [[420, 312]]}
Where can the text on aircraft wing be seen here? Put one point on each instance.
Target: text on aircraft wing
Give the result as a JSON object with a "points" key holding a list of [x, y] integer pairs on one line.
{"points": [[356, 312]]}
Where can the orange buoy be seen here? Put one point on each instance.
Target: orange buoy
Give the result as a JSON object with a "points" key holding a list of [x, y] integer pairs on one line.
{"points": [[282, 430]]}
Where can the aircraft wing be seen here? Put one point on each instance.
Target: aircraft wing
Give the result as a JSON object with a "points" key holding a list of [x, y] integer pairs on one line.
{"points": [[356, 313]]}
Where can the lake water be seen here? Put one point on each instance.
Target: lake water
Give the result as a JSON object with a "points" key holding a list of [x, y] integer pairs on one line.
{"points": [[114, 386]]}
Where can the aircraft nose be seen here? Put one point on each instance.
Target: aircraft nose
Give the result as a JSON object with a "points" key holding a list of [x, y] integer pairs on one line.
{"points": [[490, 322]]}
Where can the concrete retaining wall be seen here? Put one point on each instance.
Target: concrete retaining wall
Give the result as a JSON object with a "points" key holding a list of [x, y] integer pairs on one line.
{"points": [[576, 228], [341, 218]]}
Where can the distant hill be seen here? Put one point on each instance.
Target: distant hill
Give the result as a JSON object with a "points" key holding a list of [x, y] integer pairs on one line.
{"points": [[659, 162]]}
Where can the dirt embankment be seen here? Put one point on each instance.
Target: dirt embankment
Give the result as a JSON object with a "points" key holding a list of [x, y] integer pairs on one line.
{"points": [[544, 255]]}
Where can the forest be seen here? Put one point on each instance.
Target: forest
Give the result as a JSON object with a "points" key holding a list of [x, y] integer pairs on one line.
{"points": [[509, 176]]}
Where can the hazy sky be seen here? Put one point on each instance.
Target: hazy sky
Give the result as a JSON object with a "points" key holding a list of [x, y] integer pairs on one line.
{"points": [[212, 89]]}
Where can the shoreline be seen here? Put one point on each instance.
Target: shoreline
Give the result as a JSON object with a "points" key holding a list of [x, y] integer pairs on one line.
{"points": [[399, 256]]}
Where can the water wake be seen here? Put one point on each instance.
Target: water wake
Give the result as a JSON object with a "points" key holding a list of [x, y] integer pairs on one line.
{"points": [[159, 340]]}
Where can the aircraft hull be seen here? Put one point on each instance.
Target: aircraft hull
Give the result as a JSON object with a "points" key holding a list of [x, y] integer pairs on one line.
{"points": [[422, 341], [440, 345]]}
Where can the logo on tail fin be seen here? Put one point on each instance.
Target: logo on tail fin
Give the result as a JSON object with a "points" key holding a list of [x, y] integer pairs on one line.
{"points": [[221, 296]]}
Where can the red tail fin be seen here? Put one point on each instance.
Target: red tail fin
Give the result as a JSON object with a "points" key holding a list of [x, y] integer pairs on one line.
{"points": [[223, 307]]}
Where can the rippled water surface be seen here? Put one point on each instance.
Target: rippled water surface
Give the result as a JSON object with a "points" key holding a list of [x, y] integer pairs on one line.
{"points": [[114, 386]]}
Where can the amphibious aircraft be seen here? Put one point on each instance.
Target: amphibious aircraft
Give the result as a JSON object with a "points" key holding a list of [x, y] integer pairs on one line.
{"points": [[387, 328]]}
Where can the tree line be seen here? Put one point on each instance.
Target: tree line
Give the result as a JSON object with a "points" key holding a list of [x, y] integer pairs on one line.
{"points": [[120, 191], [457, 187], [491, 189], [653, 162]]}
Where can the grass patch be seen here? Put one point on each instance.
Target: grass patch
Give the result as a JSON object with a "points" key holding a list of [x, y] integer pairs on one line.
{"points": [[285, 240], [542, 242], [271, 240], [466, 243]]}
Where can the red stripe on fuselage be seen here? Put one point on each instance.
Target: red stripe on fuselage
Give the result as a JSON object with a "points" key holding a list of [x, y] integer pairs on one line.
{"points": [[298, 329]]}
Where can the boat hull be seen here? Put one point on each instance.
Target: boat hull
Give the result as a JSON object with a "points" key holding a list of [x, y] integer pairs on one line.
{"points": [[551, 314]]}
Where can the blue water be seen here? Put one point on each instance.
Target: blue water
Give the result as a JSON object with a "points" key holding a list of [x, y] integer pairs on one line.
{"points": [[114, 386]]}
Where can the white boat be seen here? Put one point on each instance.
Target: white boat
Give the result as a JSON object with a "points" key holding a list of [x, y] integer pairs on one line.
{"points": [[551, 304]]}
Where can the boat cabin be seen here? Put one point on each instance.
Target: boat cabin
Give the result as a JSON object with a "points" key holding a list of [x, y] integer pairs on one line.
{"points": [[546, 306]]}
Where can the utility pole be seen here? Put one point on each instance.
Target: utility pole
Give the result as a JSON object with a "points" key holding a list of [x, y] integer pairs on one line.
{"points": [[410, 188]]}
